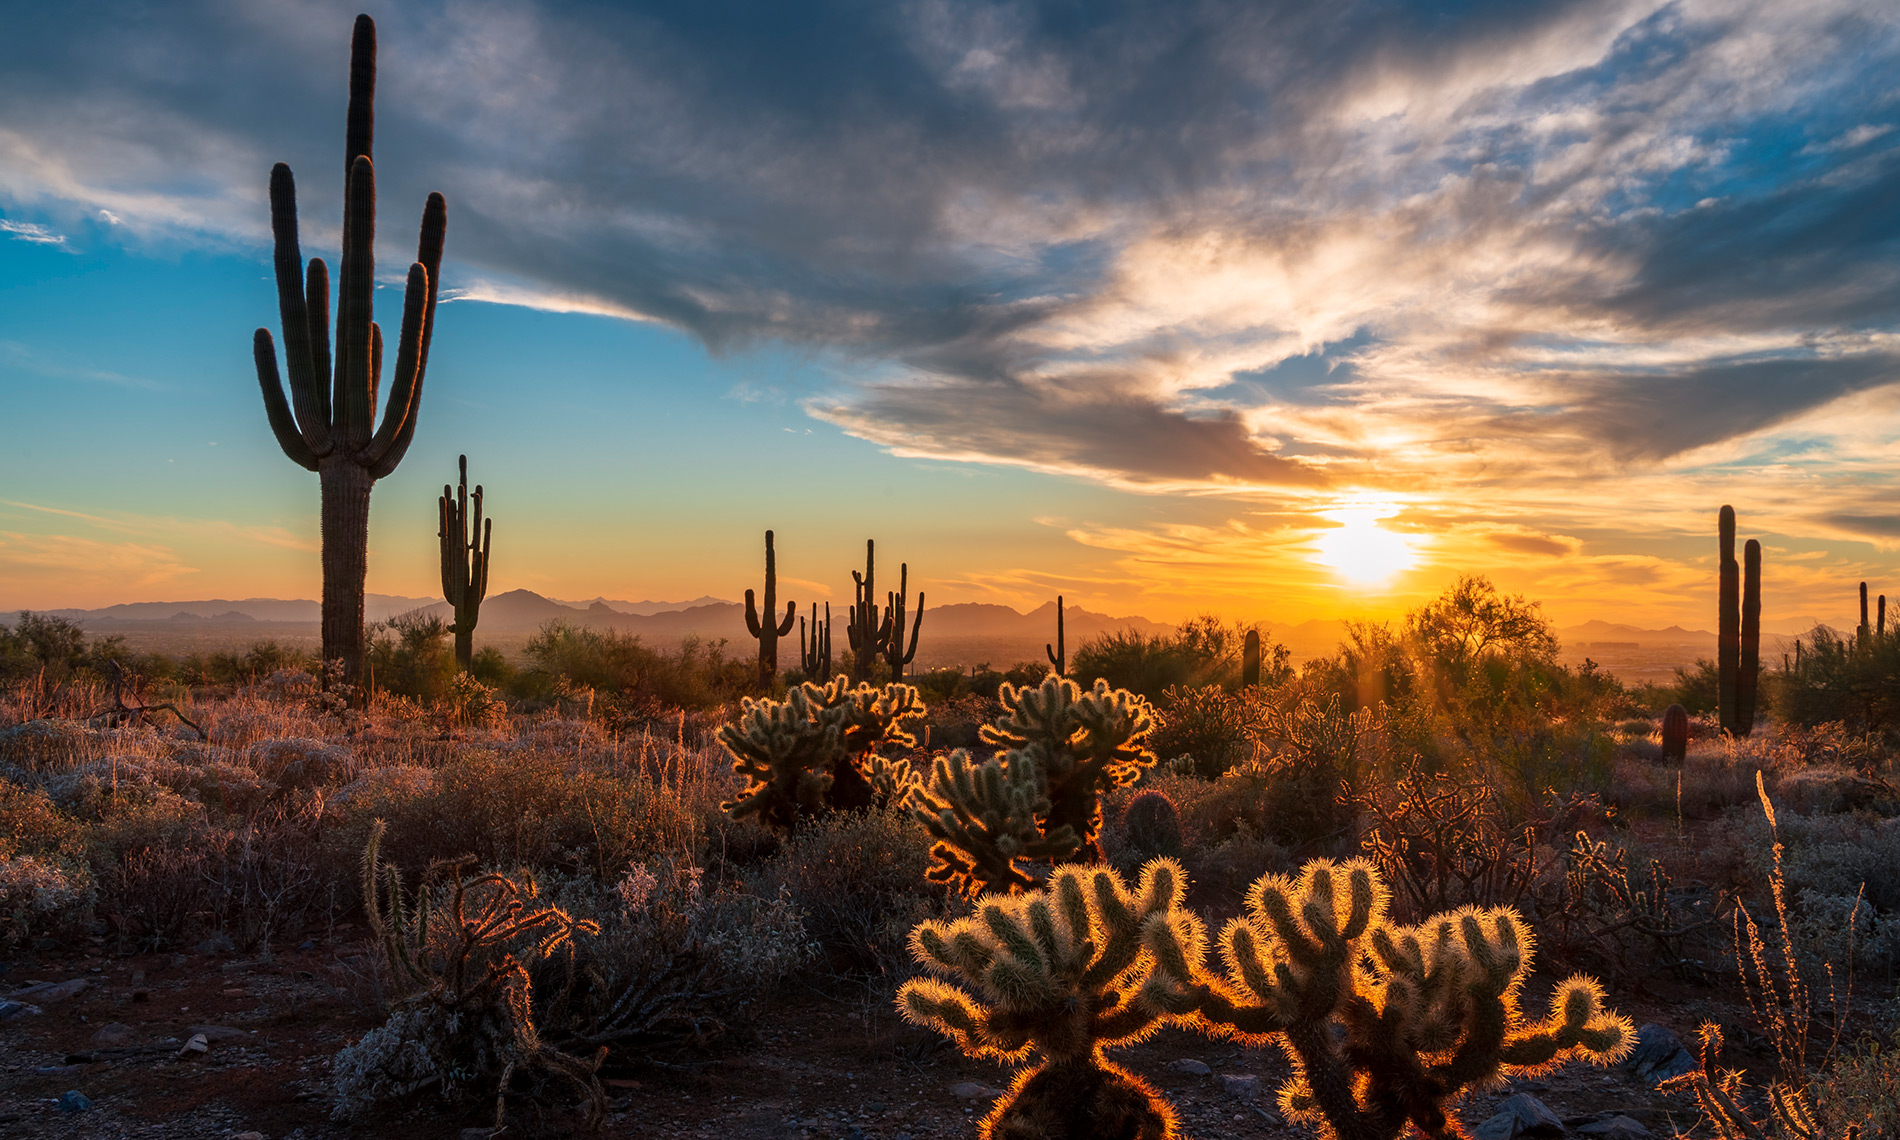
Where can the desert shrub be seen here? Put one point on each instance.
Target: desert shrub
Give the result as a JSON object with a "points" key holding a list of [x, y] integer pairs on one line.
{"points": [[1697, 688], [46, 745], [1444, 843], [1211, 727], [1201, 651], [1861, 1090], [858, 879], [41, 896], [42, 644], [412, 655], [1851, 680], [622, 680]]}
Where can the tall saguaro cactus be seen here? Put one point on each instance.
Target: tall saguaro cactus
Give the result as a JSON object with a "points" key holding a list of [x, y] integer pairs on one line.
{"points": [[1059, 652], [815, 650], [328, 424], [765, 626], [1250, 659], [1748, 677], [1728, 645], [896, 655], [465, 540], [868, 629]]}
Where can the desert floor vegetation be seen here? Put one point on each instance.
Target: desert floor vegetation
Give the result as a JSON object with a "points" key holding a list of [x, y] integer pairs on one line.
{"points": [[538, 897]]}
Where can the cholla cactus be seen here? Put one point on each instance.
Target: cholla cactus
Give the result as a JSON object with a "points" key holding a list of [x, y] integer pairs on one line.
{"points": [[1055, 974], [985, 820], [815, 751], [1385, 1026]]}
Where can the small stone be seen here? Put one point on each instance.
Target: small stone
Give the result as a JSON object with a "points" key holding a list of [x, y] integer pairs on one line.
{"points": [[1533, 1116], [970, 1090], [196, 1047], [115, 1034], [1659, 1055], [1503, 1126], [46, 993], [217, 1034], [72, 1100], [1242, 1086], [12, 1009], [1615, 1128], [1191, 1067], [307, 944], [250, 1136]]}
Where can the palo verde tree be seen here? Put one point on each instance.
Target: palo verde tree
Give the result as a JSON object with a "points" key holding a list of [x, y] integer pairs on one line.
{"points": [[328, 423]]}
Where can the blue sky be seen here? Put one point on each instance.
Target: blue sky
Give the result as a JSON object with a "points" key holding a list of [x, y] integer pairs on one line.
{"points": [[1135, 302]]}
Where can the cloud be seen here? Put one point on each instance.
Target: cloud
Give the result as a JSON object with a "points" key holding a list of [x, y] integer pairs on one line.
{"points": [[1533, 244], [31, 232]]}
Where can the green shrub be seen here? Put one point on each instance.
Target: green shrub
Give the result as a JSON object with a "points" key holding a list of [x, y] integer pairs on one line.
{"points": [[1212, 728]]}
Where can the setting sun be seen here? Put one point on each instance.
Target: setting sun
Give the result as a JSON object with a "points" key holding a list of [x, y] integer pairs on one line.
{"points": [[1360, 550]]}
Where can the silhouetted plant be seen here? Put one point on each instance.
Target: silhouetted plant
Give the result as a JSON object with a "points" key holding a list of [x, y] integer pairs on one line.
{"points": [[815, 752], [766, 627], [466, 539], [326, 426]]}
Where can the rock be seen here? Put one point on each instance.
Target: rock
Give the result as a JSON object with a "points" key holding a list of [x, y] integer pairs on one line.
{"points": [[12, 1009], [46, 993], [1191, 1067], [970, 1090], [217, 1034], [1242, 1086], [196, 1047], [307, 944], [115, 1034], [1615, 1128], [1532, 1116], [1503, 1126], [250, 1136], [1659, 1055], [219, 943], [72, 1100]]}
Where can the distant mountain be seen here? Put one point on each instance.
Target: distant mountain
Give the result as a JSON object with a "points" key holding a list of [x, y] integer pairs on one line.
{"points": [[376, 607], [1598, 630], [642, 608]]}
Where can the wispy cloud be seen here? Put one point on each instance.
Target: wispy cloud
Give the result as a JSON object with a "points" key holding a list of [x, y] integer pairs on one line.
{"points": [[31, 232]]}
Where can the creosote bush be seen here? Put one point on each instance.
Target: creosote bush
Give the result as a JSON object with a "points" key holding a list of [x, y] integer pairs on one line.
{"points": [[1055, 976]]}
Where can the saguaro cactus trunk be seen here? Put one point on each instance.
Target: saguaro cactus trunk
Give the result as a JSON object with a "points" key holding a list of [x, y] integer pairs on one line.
{"points": [[766, 626], [1728, 645], [328, 424], [1250, 660], [1748, 676], [1059, 652], [465, 539]]}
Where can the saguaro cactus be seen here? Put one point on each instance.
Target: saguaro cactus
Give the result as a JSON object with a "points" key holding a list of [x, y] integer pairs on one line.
{"points": [[1059, 652], [895, 653], [1860, 634], [464, 560], [815, 653], [1055, 976], [1385, 1027], [1748, 676], [1675, 733], [1250, 660], [766, 628], [867, 630], [1728, 645], [328, 423]]}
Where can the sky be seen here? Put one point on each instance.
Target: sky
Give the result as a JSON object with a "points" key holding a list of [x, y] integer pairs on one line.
{"points": [[1278, 310]]}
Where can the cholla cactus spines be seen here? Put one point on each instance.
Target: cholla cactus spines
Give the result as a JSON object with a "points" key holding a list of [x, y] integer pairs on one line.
{"points": [[811, 753], [1085, 742], [896, 655], [986, 819], [1056, 975], [1385, 1026], [766, 628], [466, 540], [328, 424]]}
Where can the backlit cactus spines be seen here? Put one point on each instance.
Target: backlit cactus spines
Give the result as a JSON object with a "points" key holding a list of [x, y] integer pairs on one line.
{"points": [[815, 650], [1675, 733], [1250, 659], [328, 423], [1054, 975], [1748, 673], [1728, 645], [813, 752], [1059, 652], [895, 653], [465, 538], [1385, 1027], [767, 628], [867, 630], [985, 819]]}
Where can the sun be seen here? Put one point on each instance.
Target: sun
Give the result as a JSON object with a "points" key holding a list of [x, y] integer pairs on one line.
{"points": [[1361, 551]]}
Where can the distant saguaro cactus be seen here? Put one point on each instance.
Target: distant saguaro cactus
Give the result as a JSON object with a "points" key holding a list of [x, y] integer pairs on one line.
{"points": [[1748, 676], [1675, 733], [332, 430], [1728, 643], [868, 628], [815, 651], [465, 540], [1250, 660], [1860, 633], [766, 627], [1055, 976], [896, 655], [1385, 1026], [1059, 652]]}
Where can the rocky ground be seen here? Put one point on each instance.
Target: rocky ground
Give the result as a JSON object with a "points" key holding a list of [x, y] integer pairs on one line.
{"points": [[202, 1045]]}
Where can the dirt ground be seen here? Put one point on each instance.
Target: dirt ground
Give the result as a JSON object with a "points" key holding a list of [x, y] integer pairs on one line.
{"points": [[814, 1063]]}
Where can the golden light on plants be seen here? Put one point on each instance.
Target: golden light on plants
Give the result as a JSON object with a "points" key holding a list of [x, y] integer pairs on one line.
{"points": [[1360, 550]]}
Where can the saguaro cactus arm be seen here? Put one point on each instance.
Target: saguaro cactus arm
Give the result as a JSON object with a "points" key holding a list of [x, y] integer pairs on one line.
{"points": [[1059, 652]]}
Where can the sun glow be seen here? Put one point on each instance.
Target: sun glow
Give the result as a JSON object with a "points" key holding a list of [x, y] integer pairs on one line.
{"points": [[1361, 551]]}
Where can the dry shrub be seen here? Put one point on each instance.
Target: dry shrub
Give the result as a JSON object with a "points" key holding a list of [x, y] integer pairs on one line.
{"points": [[858, 878]]}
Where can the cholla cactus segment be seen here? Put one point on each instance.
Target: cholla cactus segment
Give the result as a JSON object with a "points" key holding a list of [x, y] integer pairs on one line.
{"points": [[1385, 1026], [1055, 974], [986, 820], [1085, 743], [812, 752]]}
